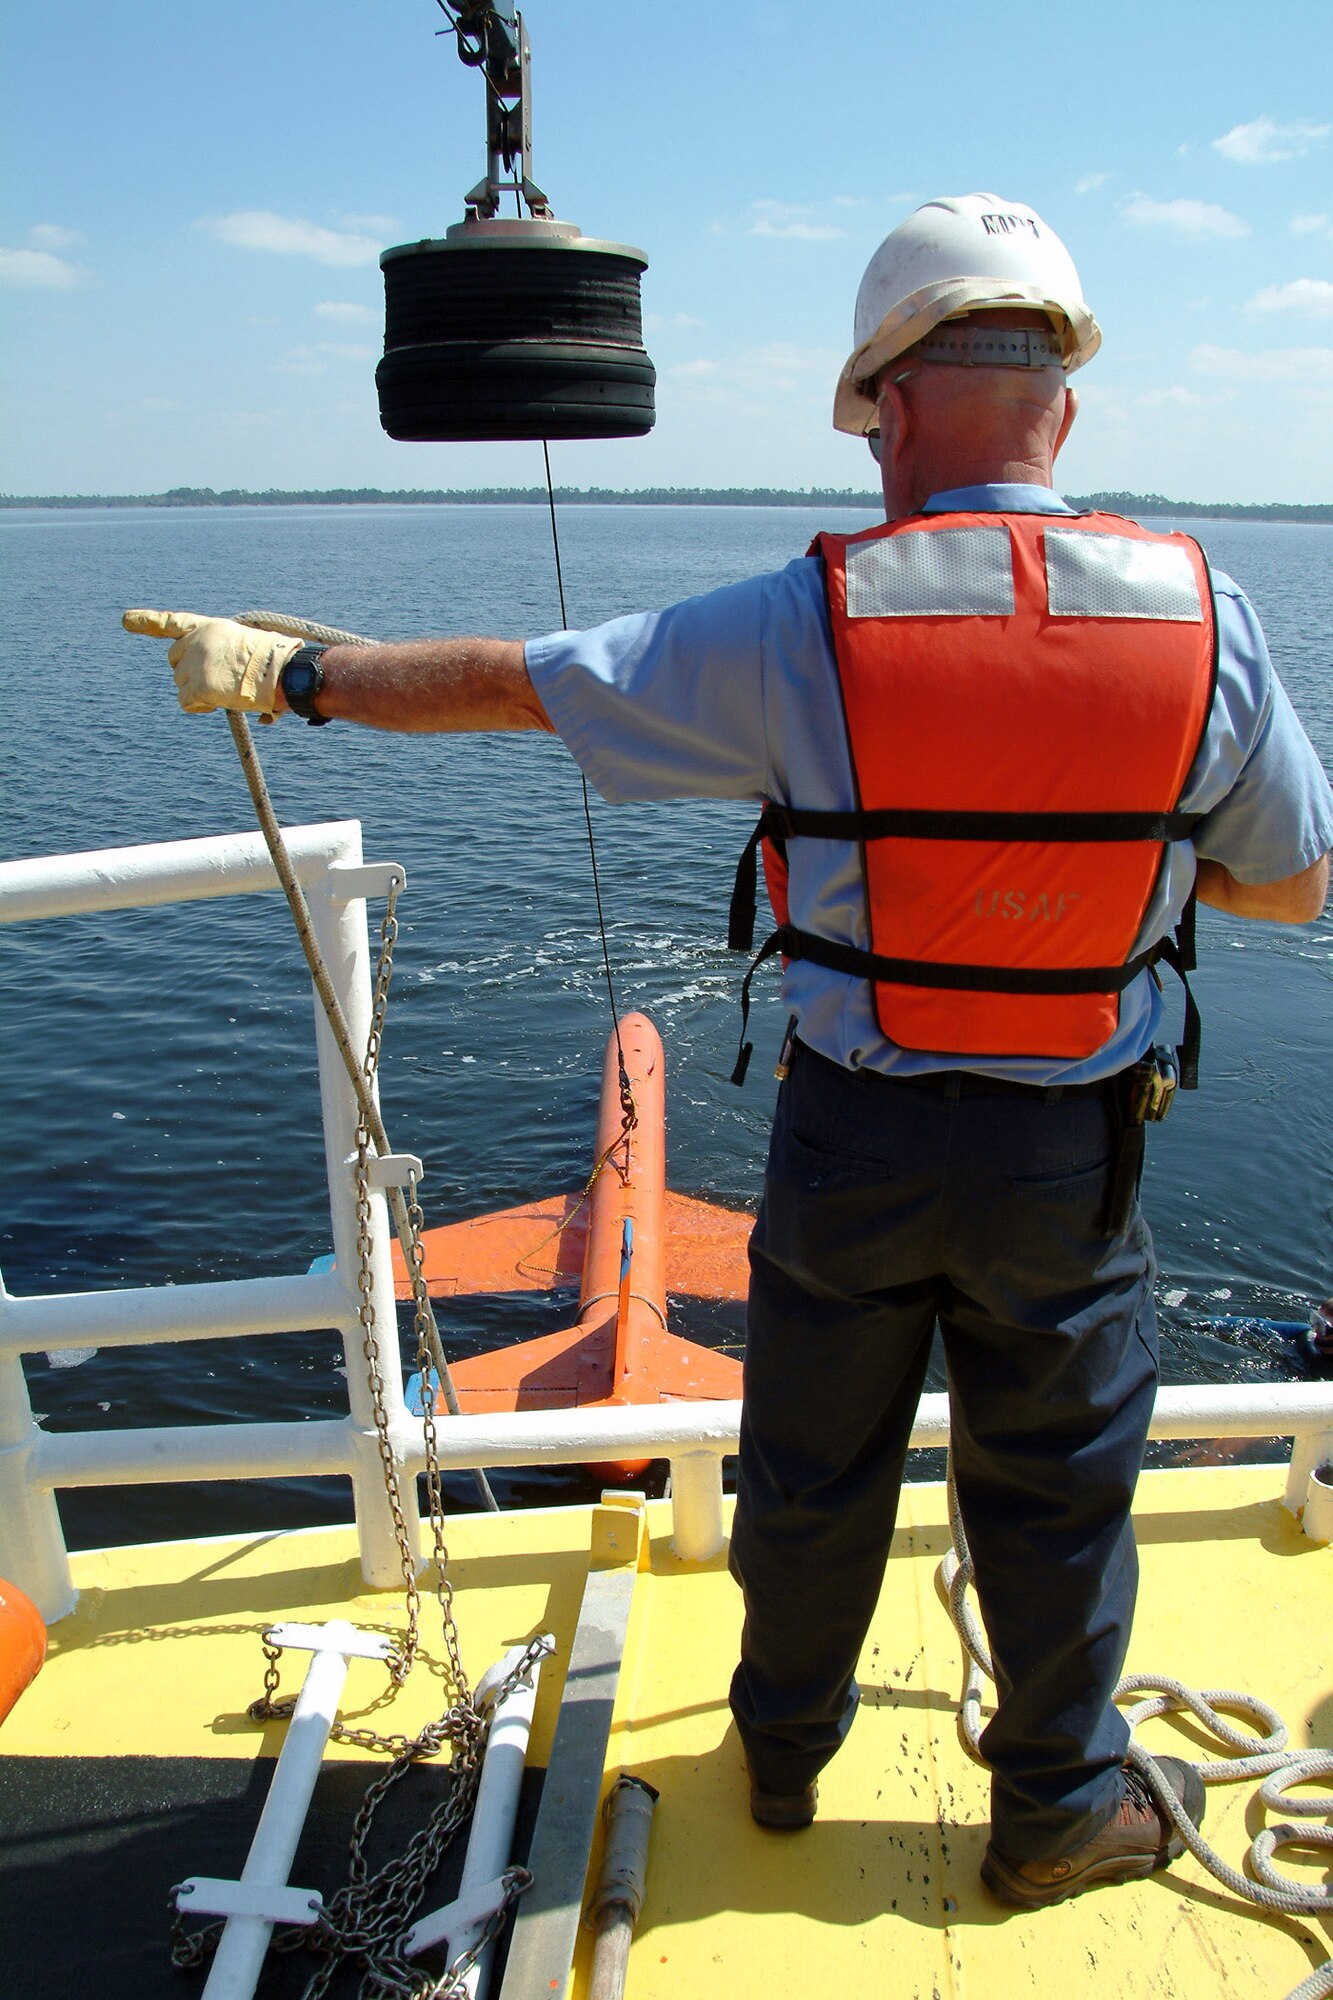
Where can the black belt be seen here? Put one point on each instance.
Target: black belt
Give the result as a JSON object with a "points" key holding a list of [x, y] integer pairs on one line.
{"points": [[951, 1084]]}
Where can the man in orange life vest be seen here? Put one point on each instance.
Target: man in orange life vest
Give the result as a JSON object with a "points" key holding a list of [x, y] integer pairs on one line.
{"points": [[1002, 741]]}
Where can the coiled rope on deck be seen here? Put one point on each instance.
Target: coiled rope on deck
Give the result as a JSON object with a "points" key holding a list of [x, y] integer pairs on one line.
{"points": [[1279, 1767]]}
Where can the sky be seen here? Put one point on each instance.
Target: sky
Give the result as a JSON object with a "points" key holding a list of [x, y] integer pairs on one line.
{"points": [[195, 198]]}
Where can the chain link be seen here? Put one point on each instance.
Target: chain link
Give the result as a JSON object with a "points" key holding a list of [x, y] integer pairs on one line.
{"points": [[366, 1921]]}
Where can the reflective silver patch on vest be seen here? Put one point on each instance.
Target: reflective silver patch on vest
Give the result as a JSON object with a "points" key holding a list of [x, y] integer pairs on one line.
{"points": [[954, 573], [1109, 576]]}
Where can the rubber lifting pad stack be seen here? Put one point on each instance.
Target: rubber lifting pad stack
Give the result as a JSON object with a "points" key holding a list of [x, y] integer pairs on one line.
{"points": [[513, 330]]}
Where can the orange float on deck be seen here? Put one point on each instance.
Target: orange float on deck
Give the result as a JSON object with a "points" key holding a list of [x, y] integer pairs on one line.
{"points": [[22, 1644], [627, 1242]]}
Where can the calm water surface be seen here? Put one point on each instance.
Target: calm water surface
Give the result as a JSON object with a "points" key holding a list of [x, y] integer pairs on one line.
{"points": [[162, 1105]]}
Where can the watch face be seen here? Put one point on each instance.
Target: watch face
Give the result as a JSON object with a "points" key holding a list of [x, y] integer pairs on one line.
{"points": [[301, 680]]}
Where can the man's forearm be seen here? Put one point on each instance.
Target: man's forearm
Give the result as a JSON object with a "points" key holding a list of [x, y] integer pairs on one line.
{"points": [[428, 685], [1296, 899]]}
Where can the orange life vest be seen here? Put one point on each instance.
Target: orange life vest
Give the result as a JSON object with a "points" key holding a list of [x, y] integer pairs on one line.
{"points": [[1024, 697]]}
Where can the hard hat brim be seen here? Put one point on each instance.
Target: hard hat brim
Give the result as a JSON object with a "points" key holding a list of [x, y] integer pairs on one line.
{"points": [[952, 298]]}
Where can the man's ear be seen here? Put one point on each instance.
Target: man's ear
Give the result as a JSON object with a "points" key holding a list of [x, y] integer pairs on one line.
{"points": [[896, 437], [1067, 420]]}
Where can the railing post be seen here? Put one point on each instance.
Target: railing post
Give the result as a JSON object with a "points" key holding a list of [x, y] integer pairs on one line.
{"points": [[696, 1505], [32, 1541], [1307, 1451], [340, 929]]}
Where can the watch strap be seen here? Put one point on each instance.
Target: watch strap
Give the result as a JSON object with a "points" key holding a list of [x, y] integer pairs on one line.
{"points": [[303, 703]]}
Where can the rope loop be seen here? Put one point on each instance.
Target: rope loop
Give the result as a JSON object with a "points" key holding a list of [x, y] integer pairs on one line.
{"points": [[1265, 1755]]}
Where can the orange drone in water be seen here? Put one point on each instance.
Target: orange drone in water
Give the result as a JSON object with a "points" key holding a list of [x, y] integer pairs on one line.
{"points": [[627, 1241]]}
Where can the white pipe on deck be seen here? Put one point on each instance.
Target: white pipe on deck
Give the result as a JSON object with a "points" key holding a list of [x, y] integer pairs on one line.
{"points": [[236, 1966], [490, 1844]]}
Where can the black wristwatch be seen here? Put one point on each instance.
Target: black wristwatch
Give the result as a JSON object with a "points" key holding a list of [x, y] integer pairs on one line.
{"points": [[301, 680]]}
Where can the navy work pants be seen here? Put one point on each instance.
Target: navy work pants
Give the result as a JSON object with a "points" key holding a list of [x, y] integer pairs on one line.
{"points": [[889, 1208]]}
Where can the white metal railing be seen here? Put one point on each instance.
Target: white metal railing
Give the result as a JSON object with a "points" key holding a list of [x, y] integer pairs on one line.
{"points": [[694, 1437], [328, 863]]}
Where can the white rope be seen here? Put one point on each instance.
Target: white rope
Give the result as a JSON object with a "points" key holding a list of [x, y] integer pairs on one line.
{"points": [[1271, 1760], [330, 635]]}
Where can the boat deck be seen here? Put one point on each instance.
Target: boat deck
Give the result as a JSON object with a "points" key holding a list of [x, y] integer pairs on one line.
{"points": [[130, 1762]]}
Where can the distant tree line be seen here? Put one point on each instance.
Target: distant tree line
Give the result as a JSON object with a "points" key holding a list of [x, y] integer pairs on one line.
{"points": [[1155, 505], [472, 496]]}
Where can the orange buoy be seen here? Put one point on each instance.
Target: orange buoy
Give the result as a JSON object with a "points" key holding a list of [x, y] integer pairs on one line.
{"points": [[22, 1644]]}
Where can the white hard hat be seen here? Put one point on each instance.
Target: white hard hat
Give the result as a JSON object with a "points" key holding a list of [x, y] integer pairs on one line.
{"points": [[954, 256]]}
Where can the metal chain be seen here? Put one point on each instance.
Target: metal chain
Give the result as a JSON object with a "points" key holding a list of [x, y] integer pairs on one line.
{"points": [[368, 1917], [266, 1709], [402, 1660]]}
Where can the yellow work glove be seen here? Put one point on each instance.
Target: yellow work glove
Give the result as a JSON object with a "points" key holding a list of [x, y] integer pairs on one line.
{"points": [[218, 663]]}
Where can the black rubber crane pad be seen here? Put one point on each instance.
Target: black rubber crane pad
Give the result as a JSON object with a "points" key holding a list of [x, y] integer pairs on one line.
{"points": [[513, 339]]}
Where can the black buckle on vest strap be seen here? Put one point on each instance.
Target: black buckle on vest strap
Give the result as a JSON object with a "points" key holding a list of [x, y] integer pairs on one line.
{"points": [[1179, 953], [746, 1050], [744, 894]]}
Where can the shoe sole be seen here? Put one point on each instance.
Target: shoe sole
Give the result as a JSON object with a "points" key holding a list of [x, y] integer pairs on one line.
{"points": [[1009, 1887], [780, 1814], [1019, 1894]]}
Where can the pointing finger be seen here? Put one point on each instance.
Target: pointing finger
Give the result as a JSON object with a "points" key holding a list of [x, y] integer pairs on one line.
{"points": [[162, 624]]}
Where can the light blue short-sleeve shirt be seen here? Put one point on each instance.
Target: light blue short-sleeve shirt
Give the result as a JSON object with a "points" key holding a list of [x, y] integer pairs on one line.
{"points": [[735, 695]]}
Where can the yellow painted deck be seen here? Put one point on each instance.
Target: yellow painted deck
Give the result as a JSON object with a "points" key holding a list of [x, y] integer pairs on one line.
{"points": [[881, 1896]]}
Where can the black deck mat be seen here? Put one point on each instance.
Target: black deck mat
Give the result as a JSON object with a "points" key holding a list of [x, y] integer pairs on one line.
{"points": [[91, 1846]]}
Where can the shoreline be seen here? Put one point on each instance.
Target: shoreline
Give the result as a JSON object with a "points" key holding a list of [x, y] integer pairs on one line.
{"points": [[1152, 504]]}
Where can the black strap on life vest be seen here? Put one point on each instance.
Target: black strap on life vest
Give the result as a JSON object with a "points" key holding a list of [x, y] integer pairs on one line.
{"points": [[779, 822]]}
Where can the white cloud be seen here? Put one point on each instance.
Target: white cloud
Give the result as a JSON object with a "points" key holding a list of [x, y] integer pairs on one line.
{"points": [[37, 271], [1272, 364], [348, 314], [52, 236], [1090, 182], [797, 221], [289, 236], [792, 360], [1175, 398], [777, 369], [313, 359], [876, 202], [1307, 298], [381, 226], [1262, 141], [671, 323], [1312, 225], [777, 365], [132, 416], [1187, 218]]}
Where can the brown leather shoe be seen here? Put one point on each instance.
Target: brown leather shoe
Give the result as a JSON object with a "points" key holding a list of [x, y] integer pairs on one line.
{"points": [[1138, 1839], [783, 1812]]}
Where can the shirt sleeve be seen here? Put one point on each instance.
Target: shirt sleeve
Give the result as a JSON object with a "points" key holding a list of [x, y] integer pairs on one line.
{"points": [[1267, 803], [664, 704]]}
